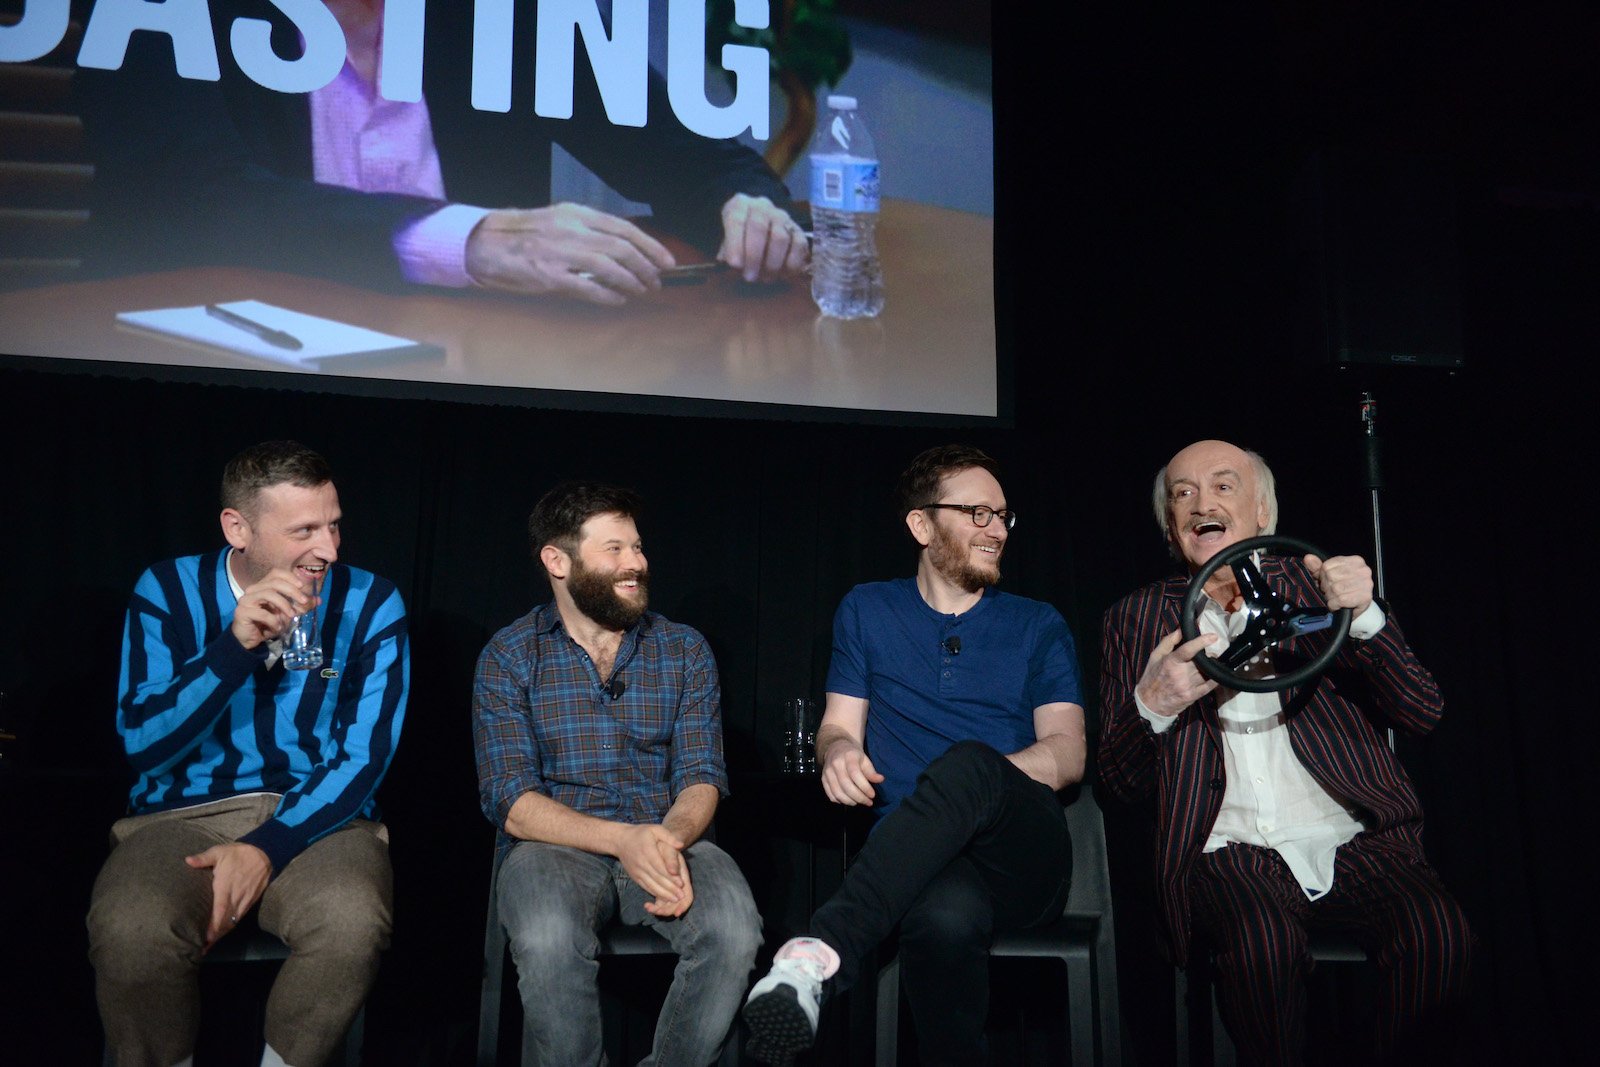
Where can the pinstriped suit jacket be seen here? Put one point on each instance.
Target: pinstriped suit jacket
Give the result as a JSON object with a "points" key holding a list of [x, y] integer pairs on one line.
{"points": [[1336, 725]]}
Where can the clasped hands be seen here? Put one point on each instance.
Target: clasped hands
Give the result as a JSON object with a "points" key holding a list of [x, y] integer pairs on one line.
{"points": [[1171, 681], [575, 251], [653, 857]]}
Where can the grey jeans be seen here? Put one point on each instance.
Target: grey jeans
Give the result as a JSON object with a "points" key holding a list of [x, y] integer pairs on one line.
{"points": [[332, 905], [554, 899]]}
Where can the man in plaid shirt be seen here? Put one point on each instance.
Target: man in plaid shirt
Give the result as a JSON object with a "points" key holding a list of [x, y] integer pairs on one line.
{"points": [[598, 737]]}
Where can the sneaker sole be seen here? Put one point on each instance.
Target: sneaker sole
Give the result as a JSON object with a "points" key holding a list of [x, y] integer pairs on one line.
{"points": [[779, 1028]]}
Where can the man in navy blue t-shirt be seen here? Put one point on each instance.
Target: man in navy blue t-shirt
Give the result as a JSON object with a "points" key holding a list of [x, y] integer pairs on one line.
{"points": [[955, 711]]}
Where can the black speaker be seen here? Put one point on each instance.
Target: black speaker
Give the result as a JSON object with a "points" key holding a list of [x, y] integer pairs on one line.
{"points": [[1378, 255]]}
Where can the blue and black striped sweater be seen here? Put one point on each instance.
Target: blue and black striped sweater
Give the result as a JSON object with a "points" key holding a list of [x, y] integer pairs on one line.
{"points": [[202, 718]]}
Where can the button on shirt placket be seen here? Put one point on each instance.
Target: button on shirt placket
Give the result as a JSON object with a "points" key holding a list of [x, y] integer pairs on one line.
{"points": [[1264, 778], [946, 663], [1251, 717], [603, 726], [362, 141], [608, 730]]}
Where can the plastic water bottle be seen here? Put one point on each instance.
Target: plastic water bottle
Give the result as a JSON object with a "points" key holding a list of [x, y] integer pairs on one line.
{"points": [[846, 281]]}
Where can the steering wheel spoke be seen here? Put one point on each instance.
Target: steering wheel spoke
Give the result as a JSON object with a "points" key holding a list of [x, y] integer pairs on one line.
{"points": [[1258, 595], [1242, 650], [1302, 622], [1272, 619]]}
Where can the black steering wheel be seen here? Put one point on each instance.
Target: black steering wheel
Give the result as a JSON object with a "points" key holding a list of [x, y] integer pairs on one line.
{"points": [[1271, 620]]}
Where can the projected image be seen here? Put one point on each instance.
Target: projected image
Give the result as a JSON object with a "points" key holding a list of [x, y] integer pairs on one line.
{"points": [[568, 195]]}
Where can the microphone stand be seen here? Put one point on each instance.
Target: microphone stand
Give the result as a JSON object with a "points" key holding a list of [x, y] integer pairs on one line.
{"points": [[1373, 454]]}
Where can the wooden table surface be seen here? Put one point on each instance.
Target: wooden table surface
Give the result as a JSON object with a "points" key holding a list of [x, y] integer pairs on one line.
{"points": [[931, 350]]}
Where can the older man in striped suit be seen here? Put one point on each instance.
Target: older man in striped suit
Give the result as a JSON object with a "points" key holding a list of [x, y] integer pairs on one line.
{"points": [[1277, 810]]}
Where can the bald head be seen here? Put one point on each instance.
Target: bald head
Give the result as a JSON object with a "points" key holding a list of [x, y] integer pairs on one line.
{"points": [[1211, 495]]}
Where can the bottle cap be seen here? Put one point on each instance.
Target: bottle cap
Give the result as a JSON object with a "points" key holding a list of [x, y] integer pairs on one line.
{"points": [[841, 103]]}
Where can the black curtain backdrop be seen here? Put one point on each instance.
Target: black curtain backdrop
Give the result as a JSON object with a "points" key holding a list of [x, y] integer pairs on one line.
{"points": [[1147, 301]]}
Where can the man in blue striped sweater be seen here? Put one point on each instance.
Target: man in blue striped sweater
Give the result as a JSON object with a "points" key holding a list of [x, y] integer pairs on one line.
{"points": [[255, 783]]}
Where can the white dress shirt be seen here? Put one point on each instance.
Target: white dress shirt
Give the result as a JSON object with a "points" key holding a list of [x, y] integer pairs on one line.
{"points": [[1270, 799]]}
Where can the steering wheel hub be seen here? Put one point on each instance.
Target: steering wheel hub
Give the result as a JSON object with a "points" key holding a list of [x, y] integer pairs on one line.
{"points": [[1270, 620]]}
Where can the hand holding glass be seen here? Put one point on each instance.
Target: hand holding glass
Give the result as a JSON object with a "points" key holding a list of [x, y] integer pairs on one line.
{"points": [[301, 650]]}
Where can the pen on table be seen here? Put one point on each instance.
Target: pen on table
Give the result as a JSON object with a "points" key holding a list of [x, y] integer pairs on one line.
{"points": [[689, 274], [250, 326], [686, 273]]}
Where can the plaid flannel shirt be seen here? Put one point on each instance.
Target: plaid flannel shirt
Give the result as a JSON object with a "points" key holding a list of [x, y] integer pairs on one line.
{"points": [[545, 721]]}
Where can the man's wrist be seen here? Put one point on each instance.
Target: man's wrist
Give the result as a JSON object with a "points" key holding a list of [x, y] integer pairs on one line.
{"points": [[1365, 624], [1158, 722], [828, 742], [616, 837], [433, 249], [1145, 705], [680, 824]]}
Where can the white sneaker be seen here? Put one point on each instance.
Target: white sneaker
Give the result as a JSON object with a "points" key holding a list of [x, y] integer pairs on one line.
{"points": [[782, 1008]]}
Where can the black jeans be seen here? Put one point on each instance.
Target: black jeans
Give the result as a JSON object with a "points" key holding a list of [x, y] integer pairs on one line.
{"points": [[978, 847]]}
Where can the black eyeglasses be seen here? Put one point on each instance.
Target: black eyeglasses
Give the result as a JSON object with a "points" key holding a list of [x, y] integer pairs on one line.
{"points": [[981, 513]]}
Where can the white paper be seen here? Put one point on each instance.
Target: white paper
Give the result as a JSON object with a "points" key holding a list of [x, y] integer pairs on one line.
{"points": [[321, 339]]}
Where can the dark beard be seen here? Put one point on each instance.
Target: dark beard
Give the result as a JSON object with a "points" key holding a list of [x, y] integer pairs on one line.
{"points": [[593, 594], [949, 558]]}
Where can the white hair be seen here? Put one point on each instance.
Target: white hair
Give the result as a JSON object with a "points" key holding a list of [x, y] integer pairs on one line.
{"points": [[1266, 492]]}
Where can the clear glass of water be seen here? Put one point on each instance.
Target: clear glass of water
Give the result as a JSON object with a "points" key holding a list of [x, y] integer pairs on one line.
{"points": [[799, 737], [301, 649]]}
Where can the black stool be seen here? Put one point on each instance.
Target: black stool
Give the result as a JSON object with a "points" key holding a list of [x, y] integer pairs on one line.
{"points": [[1202, 1039], [1081, 939]]}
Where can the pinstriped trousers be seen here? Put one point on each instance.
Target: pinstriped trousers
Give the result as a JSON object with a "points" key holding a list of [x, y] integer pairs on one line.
{"points": [[1247, 904]]}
